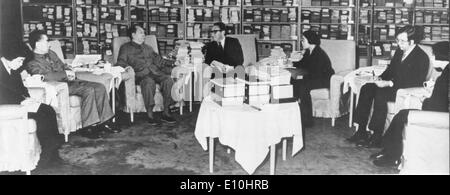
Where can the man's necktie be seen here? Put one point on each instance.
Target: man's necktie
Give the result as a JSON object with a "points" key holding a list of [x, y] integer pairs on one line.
{"points": [[220, 45]]}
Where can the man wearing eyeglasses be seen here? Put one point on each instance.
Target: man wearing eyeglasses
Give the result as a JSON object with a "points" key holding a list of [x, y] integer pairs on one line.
{"points": [[408, 68], [225, 50]]}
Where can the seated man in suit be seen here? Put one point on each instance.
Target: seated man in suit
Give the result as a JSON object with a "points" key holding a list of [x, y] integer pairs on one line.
{"points": [[225, 50], [408, 68], [95, 109], [150, 69], [392, 143], [12, 91]]}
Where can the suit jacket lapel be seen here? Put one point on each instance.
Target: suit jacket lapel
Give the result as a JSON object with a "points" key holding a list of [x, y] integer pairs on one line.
{"points": [[411, 56]]}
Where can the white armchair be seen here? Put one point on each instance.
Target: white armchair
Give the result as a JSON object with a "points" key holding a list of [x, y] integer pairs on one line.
{"points": [[19, 147], [331, 103], [134, 101], [68, 109], [426, 143]]}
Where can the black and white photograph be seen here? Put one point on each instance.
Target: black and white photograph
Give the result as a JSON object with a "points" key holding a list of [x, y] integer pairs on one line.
{"points": [[224, 88]]}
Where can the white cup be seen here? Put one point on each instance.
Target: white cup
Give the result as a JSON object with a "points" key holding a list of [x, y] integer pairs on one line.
{"points": [[107, 67]]}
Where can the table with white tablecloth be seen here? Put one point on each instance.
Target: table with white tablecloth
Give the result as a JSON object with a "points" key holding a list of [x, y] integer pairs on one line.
{"points": [[249, 131], [354, 80]]}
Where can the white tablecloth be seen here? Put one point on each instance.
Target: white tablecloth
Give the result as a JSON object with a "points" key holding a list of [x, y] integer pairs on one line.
{"points": [[351, 79], [248, 131]]}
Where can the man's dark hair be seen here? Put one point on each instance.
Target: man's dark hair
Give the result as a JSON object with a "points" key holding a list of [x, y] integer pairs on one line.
{"points": [[221, 26], [415, 33], [36, 36], [313, 37], [133, 29], [441, 50]]}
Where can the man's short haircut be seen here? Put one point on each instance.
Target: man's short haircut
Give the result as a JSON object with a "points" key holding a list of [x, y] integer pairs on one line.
{"points": [[415, 33], [133, 29], [36, 36], [221, 26], [441, 50], [313, 37]]}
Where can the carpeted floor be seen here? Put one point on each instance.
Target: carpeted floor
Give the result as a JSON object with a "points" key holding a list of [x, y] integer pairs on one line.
{"points": [[172, 149]]}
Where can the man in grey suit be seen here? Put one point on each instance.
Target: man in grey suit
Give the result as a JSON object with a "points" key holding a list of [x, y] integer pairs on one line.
{"points": [[95, 109]]}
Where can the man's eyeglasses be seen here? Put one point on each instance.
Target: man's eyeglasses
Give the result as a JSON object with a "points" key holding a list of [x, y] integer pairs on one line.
{"points": [[214, 31], [401, 41]]}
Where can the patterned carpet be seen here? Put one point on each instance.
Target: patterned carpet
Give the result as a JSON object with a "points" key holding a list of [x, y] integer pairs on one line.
{"points": [[172, 149]]}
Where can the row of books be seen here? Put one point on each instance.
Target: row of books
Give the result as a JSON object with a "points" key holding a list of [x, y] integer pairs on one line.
{"points": [[165, 46], [432, 17], [224, 14], [325, 15], [272, 32], [387, 3], [87, 12], [202, 31], [432, 3], [51, 28], [271, 2], [391, 16], [87, 46], [47, 1], [210, 3], [436, 33], [325, 2], [112, 13], [270, 15], [265, 48], [164, 14], [67, 46], [164, 30], [86, 29], [58, 12], [332, 31]]}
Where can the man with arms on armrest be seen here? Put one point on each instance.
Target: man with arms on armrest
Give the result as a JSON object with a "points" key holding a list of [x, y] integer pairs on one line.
{"points": [[95, 109], [150, 69]]}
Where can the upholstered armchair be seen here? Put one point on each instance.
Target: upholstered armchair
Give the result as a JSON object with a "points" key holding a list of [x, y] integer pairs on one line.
{"points": [[134, 101], [411, 98], [331, 103], [67, 108], [19, 147], [426, 143]]}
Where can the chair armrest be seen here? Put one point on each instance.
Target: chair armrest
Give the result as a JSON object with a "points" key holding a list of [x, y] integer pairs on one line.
{"points": [[438, 120], [128, 78], [410, 98], [128, 74], [12, 111]]}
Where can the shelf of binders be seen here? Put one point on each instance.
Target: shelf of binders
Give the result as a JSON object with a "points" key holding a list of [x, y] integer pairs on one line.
{"points": [[55, 18]]}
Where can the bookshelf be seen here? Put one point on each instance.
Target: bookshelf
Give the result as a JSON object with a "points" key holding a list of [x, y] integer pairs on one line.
{"points": [[54, 17], [275, 22], [379, 20]]}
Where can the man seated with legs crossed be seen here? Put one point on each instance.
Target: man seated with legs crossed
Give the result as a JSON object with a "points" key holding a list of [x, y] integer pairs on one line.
{"points": [[95, 109], [150, 69]]}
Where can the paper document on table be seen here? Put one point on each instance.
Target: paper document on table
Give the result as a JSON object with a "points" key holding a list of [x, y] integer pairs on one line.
{"points": [[85, 59]]}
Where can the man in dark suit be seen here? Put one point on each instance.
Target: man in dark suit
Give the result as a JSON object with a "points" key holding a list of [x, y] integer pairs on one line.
{"points": [[408, 68], [223, 49], [392, 142], [12, 91]]}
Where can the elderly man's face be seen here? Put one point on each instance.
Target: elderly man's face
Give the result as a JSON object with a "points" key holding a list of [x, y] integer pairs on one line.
{"points": [[217, 34], [139, 35]]}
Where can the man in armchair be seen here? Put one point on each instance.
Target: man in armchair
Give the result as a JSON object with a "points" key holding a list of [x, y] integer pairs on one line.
{"points": [[95, 109], [150, 69]]}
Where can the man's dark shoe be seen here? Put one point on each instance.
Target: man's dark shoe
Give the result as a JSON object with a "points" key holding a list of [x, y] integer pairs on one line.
{"points": [[386, 161], [375, 141], [168, 119], [109, 128], [153, 121]]}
